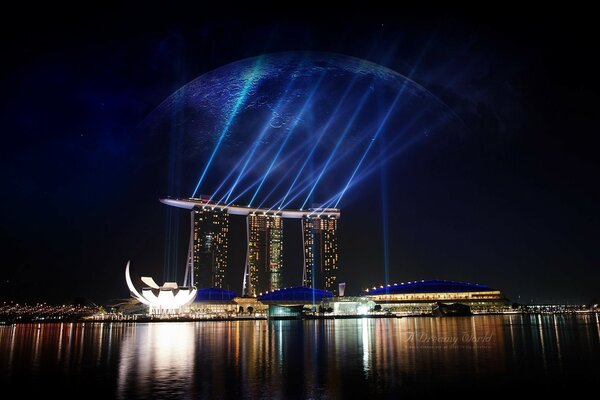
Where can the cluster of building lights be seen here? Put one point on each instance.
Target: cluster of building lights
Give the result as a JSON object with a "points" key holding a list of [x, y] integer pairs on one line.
{"points": [[274, 290], [43, 311], [405, 283], [395, 284], [209, 236]]}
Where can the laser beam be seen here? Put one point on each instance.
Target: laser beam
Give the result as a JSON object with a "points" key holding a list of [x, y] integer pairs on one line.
{"points": [[321, 133], [307, 184], [256, 143], [282, 162], [387, 115], [232, 171], [290, 133], [240, 100], [349, 125], [364, 155]]}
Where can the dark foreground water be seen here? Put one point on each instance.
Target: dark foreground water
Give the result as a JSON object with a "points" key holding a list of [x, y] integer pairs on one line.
{"points": [[370, 358]]}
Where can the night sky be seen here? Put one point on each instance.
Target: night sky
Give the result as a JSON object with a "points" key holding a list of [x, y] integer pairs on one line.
{"points": [[512, 202]]}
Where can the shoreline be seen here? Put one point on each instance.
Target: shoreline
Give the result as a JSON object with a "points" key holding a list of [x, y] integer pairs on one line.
{"points": [[262, 318]]}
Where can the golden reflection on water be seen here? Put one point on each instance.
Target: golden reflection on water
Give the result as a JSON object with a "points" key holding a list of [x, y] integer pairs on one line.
{"points": [[156, 358], [283, 359]]}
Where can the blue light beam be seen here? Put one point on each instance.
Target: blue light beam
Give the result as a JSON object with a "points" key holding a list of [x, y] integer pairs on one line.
{"points": [[253, 184], [379, 130], [321, 134], [254, 73], [370, 168], [290, 133], [392, 107], [306, 179], [256, 144], [349, 125], [232, 171]]}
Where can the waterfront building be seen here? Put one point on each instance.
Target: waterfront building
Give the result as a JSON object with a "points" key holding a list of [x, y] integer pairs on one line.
{"points": [[213, 302], [208, 249], [265, 242], [292, 302], [321, 250], [265, 253], [295, 296], [423, 294], [168, 299]]}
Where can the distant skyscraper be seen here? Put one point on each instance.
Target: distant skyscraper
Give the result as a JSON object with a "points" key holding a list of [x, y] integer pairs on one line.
{"points": [[321, 256], [265, 253], [208, 251]]}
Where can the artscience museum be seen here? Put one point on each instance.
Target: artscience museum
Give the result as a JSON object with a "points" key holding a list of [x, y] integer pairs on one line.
{"points": [[168, 299]]}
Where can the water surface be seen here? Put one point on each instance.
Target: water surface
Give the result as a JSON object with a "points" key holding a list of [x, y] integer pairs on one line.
{"points": [[416, 357]]}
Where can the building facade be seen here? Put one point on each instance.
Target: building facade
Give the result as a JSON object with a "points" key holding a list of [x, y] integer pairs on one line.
{"points": [[265, 253], [207, 260], [208, 253], [420, 296], [321, 251]]}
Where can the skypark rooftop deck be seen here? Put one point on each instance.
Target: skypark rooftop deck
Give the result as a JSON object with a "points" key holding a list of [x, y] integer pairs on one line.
{"points": [[233, 209]]}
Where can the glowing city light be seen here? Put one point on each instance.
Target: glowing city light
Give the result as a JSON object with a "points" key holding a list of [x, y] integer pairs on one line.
{"points": [[170, 297]]}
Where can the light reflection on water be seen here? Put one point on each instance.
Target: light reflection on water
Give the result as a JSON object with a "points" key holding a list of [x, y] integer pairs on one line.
{"points": [[165, 352], [300, 359]]}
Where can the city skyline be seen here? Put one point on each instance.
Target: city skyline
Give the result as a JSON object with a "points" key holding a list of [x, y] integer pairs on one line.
{"points": [[507, 200], [250, 202]]}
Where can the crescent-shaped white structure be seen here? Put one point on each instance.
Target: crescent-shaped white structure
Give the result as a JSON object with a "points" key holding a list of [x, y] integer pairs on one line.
{"points": [[134, 292], [166, 299], [150, 282]]}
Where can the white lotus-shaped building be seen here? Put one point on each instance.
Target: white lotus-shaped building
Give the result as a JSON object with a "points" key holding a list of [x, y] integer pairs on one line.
{"points": [[166, 299]]}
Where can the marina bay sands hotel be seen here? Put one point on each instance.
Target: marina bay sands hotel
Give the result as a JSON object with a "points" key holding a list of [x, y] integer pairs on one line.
{"points": [[209, 240]]}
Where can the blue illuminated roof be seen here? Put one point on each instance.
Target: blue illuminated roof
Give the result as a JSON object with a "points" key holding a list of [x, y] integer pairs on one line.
{"points": [[299, 293], [429, 286], [215, 294]]}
